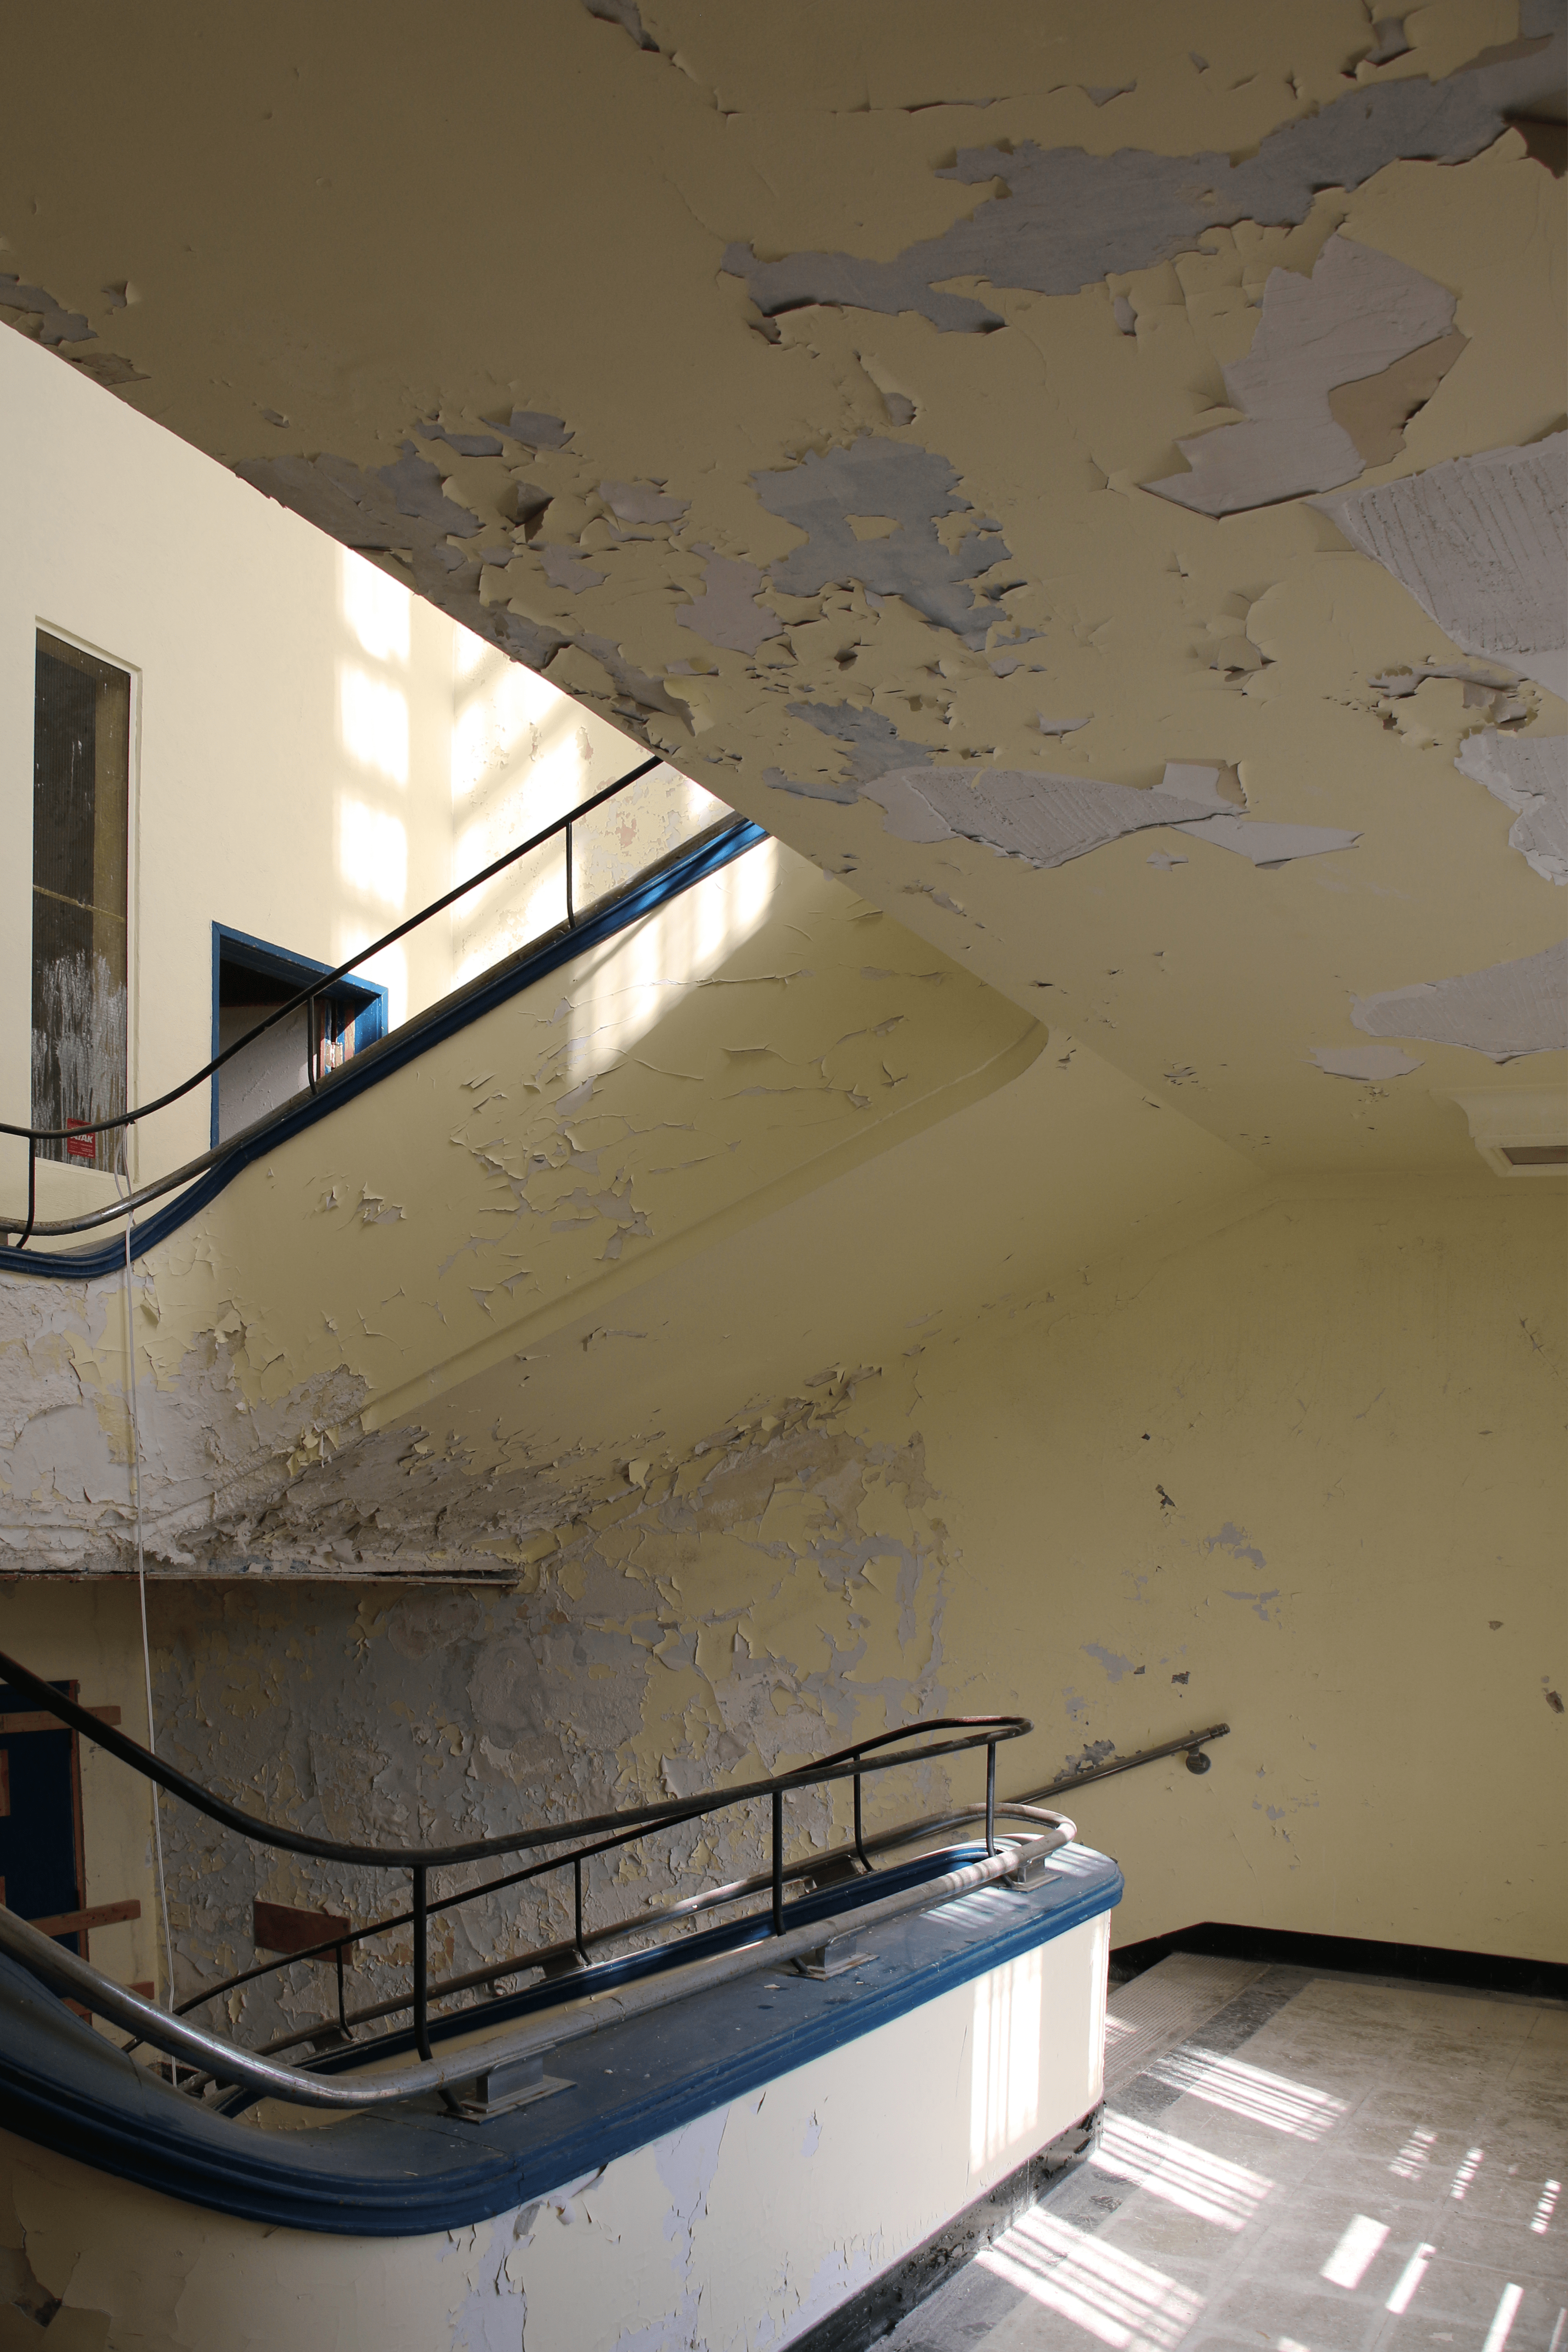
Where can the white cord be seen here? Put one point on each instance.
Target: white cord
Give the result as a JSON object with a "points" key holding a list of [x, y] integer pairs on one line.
{"points": [[141, 1591]]}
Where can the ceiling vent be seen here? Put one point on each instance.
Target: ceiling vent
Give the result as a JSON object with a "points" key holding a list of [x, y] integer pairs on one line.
{"points": [[1519, 1134]]}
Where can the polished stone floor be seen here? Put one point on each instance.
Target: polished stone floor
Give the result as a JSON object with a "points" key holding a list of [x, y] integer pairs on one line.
{"points": [[1295, 2162]]}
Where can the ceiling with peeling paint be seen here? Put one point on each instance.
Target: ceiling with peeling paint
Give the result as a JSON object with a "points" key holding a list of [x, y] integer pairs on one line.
{"points": [[1095, 478]]}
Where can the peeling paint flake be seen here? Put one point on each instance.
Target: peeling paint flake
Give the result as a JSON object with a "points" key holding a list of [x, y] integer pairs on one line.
{"points": [[1482, 543], [1528, 774], [1508, 1010], [912, 488], [1357, 315], [1065, 219]]}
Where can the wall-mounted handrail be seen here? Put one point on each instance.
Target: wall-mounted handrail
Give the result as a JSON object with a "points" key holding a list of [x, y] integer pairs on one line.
{"points": [[321, 985], [1192, 1744]]}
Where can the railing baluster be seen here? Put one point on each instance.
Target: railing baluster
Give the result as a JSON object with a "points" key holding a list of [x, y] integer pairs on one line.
{"points": [[571, 915], [421, 1965], [859, 1832], [578, 1875], [778, 1862], [343, 2007], [991, 1796], [310, 1041], [32, 1190]]}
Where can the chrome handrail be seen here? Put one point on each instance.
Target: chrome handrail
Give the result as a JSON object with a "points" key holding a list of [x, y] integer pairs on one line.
{"points": [[591, 2013], [909, 1744]]}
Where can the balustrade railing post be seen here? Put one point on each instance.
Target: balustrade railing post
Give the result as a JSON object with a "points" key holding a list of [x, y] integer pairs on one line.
{"points": [[421, 1964], [778, 1862], [859, 1830], [571, 915], [310, 1041], [577, 1936], [991, 1796], [32, 1190]]}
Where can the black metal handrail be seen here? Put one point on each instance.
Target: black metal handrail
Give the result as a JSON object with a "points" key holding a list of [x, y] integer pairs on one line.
{"points": [[624, 1824], [306, 997]]}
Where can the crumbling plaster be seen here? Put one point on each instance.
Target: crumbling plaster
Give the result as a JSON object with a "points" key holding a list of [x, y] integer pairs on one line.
{"points": [[1285, 1518], [734, 1048], [990, 550]]}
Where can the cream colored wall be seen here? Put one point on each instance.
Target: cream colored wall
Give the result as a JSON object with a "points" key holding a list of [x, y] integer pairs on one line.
{"points": [[316, 753], [523, 753], [1342, 1528], [1352, 1399], [92, 1636], [292, 716]]}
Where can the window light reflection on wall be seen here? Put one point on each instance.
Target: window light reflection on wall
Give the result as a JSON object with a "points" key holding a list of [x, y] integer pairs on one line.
{"points": [[373, 854], [1004, 2085], [374, 718], [377, 609]]}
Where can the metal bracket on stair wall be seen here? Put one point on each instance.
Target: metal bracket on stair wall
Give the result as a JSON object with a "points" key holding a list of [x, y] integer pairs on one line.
{"points": [[500, 2089]]}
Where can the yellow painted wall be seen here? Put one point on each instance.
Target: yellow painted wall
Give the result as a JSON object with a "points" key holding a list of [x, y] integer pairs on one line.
{"points": [[292, 730], [1299, 1448], [316, 752]]}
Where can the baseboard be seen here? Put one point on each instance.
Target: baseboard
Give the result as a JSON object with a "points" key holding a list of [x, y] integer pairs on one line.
{"points": [[1350, 1956], [878, 2309]]}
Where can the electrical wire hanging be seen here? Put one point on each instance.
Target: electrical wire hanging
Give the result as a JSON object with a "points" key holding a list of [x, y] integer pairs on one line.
{"points": [[142, 1594]]}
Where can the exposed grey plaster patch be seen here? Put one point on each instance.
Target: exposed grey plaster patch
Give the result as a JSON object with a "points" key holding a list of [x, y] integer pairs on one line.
{"points": [[1067, 219], [56, 324], [626, 14], [1233, 1539], [1507, 1011], [1259, 1601], [564, 570], [726, 613], [899, 482], [633, 685], [1048, 820], [1390, 41], [402, 509], [1270, 844], [1482, 543], [467, 445], [1528, 774], [1368, 1062], [1061, 726], [545, 1697], [534, 427], [875, 747], [1357, 312], [1115, 1665], [641, 502]]}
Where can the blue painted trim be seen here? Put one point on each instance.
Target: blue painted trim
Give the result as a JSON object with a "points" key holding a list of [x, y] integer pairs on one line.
{"points": [[418, 2170], [406, 1044], [279, 963]]}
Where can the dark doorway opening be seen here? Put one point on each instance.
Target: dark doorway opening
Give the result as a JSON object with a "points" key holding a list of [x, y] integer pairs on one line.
{"points": [[251, 979]]}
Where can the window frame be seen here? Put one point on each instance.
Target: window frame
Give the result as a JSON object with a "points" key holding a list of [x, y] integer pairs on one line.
{"points": [[73, 1170]]}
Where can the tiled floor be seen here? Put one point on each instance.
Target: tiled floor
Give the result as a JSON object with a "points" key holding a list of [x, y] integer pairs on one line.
{"points": [[1319, 2164]]}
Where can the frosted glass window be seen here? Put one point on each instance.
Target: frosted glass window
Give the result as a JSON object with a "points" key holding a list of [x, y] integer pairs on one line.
{"points": [[81, 793]]}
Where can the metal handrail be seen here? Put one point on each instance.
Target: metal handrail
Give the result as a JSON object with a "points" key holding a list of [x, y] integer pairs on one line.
{"points": [[544, 1957], [846, 1763], [575, 2021], [302, 997]]}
